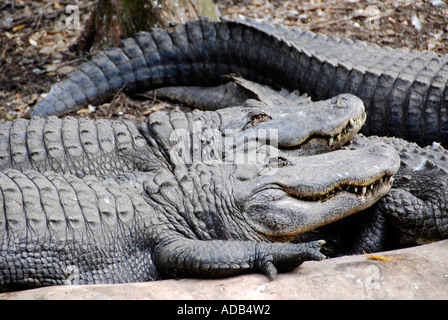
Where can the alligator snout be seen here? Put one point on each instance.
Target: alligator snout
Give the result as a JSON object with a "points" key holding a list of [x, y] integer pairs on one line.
{"points": [[317, 190]]}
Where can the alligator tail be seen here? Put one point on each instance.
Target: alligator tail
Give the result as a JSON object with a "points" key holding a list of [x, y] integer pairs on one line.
{"points": [[197, 53]]}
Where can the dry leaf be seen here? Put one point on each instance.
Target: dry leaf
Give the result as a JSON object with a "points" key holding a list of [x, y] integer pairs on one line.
{"points": [[52, 67], [83, 111], [33, 42], [48, 50], [9, 35], [65, 70], [381, 258], [17, 28]]}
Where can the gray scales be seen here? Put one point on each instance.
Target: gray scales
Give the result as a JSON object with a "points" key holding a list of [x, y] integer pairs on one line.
{"points": [[120, 202]]}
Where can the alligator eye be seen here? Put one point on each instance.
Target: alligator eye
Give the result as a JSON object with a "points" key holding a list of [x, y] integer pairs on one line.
{"points": [[258, 117], [279, 162], [255, 118]]}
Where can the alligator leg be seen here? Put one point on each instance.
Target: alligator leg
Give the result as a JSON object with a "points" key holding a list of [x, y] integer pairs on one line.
{"points": [[189, 258], [371, 231], [234, 93], [416, 220], [400, 219]]}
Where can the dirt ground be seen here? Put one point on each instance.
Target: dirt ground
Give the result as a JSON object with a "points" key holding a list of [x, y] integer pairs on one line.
{"points": [[35, 39]]}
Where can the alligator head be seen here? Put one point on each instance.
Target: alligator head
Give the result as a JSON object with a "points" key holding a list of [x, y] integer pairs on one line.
{"points": [[290, 197], [275, 200], [304, 129], [228, 134], [286, 120]]}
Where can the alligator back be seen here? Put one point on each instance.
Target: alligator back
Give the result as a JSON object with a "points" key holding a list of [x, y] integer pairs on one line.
{"points": [[77, 146], [404, 91], [60, 229]]}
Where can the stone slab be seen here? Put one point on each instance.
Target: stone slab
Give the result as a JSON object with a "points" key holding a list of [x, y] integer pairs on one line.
{"points": [[412, 273]]}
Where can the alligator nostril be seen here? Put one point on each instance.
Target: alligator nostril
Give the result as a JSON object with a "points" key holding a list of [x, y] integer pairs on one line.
{"points": [[341, 102]]}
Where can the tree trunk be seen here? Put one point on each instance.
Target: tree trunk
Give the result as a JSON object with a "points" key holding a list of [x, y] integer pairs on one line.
{"points": [[114, 20]]}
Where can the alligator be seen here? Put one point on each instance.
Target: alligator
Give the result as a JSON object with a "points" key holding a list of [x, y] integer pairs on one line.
{"points": [[404, 91], [80, 206], [104, 148], [109, 208], [413, 212]]}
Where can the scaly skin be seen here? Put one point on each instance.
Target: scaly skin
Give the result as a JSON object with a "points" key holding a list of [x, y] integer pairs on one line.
{"points": [[197, 53], [229, 214], [57, 228], [403, 91], [77, 146], [415, 210], [102, 148]]}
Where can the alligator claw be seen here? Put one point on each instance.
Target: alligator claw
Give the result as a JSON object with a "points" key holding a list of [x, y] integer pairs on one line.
{"points": [[270, 270], [284, 257]]}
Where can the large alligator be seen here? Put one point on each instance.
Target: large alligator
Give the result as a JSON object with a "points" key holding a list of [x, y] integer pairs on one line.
{"points": [[102, 148], [206, 220], [413, 212], [217, 212], [404, 91], [129, 223]]}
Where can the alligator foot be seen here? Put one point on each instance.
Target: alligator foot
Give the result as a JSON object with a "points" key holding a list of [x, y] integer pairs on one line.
{"points": [[285, 257], [195, 258]]}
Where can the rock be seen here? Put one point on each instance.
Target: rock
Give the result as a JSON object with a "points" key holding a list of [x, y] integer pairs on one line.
{"points": [[412, 273]]}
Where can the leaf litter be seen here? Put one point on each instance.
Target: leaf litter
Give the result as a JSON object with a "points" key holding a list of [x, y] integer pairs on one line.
{"points": [[35, 41]]}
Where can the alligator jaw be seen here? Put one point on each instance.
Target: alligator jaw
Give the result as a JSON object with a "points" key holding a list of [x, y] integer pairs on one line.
{"points": [[322, 210], [296, 130], [318, 190], [319, 142], [335, 122], [362, 190]]}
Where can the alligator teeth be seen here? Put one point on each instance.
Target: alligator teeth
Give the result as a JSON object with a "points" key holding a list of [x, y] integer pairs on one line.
{"points": [[358, 190], [351, 122], [330, 141], [338, 137]]}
